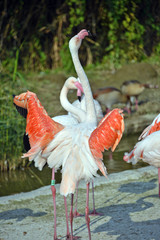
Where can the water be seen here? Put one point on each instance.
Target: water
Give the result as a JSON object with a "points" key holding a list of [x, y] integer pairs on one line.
{"points": [[31, 178]]}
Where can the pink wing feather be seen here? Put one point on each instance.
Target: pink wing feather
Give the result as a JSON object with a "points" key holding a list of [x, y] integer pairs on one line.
{"points": [[107, 134], [153, 127], [40, 128]]}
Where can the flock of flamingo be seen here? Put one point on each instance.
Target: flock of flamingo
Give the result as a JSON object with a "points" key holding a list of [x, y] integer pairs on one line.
{"points": [[75, 142]]}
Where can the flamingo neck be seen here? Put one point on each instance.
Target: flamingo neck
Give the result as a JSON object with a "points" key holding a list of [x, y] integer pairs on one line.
{"points": [[80, 114], [90, 108]]}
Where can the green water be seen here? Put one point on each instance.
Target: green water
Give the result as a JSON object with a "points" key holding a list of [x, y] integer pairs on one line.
{"points": [[31, 178]]}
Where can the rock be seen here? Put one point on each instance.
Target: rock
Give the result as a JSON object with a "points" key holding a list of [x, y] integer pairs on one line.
{"points": [[142, 72]]}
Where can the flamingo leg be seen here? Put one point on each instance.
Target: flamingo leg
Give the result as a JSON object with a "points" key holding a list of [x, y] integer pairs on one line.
{"points": [[54, 201], [66, 212], [94, 212], [159, 180], [71, 237], [71, 216], [87, 212], [76, 213]]}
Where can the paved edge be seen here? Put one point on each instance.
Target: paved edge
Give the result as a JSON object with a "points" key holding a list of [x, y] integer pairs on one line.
{"points": [[112, 178]]}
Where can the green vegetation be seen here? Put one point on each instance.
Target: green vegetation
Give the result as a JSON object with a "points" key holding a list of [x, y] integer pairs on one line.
{"points": [[34, 37], [124, 30], [11, 127]]}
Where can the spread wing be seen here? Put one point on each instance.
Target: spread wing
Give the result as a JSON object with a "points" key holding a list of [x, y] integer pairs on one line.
{"points": [[40, 128], [107, 134]]}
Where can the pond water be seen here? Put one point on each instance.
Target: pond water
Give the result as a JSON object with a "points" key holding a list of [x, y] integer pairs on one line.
{"points": [[31, 178]]}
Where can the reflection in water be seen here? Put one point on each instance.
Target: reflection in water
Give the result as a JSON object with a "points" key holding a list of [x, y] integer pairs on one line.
{"points": [[31, 178]]}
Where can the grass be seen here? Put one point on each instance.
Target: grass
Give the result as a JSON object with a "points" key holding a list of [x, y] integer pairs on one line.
{"points": [[11, 127]]}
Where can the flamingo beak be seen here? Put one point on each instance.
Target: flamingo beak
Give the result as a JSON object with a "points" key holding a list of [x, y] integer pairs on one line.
{"points": [[79, 90], [89, 33]]}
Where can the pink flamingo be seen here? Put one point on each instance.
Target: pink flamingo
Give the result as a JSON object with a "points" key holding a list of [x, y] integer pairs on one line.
{"points": [[29, 107], [58, 145], [147, 149], [85, 160], [41, 129]]}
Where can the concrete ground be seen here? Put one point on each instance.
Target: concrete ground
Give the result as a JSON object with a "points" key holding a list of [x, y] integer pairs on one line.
{"points": [[128, 201]]}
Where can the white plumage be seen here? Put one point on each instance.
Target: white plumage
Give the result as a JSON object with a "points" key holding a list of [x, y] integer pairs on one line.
{"points": [[82, 105], [70, 148], [147, 150]]}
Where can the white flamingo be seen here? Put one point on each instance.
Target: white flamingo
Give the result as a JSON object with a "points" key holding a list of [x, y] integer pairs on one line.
{"points": [[77, 148], [24, 106], [147, 149], [79, 160]]}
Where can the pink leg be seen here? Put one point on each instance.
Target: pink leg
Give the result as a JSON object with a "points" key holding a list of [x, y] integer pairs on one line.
{"points": [[87, 212], [65, 204], [159, 180], [76, 213], [71, 216], [54, 202], [71, 220], [94, 212]]}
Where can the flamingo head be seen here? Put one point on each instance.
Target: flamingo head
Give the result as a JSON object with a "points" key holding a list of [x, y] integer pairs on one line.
{"points": [[75, 42], [74, 83], [22, 99]]}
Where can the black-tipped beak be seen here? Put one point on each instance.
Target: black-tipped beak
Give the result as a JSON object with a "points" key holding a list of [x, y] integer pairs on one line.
{"points": [[89, 33], [79, 98], [13, 95]]}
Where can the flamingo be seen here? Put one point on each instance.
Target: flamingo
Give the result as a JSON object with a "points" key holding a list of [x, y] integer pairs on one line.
{"points": [[85, 160], [147, 149], [42, 129], [65, 120], [24, 106], [82, 105], [77, 148]]}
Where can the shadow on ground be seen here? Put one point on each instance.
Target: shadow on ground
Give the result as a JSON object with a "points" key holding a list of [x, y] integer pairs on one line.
{"points": [[20, 214]]}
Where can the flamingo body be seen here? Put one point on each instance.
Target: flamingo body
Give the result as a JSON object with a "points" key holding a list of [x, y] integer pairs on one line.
{"points": [[80, 154], [148, 148], [67, 146]]}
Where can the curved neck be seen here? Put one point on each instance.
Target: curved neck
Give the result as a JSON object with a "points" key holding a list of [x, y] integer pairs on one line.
{"points": [[80, 114], [90, 108]]}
